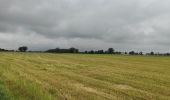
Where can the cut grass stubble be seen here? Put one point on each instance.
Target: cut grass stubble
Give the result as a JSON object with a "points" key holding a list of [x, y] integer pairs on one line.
{"points": [[43, 76]]}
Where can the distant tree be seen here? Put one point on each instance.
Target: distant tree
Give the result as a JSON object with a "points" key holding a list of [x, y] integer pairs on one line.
{"points": [[118, 52], [101, 51], [152, 53], [58, 50], [106, 52], [140, 53], [111, 50], [167, 54], [3, 49], [96, 52], [132, 53], [85, 51], [23, 49], [91, 52], [73, 50]]}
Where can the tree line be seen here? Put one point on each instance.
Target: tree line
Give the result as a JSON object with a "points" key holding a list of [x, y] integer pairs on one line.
{"points": [[75, 50], [20, 49], [58, 50], [5, 50], [108, 51]]}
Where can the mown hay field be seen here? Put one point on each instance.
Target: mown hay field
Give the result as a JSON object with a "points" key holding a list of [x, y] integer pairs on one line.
{"points": [[44, 76]]}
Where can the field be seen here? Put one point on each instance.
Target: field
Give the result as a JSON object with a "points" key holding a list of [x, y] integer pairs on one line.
{"points": [[44, 76]]}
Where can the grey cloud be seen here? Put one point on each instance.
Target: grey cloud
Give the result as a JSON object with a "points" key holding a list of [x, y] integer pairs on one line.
{"points": [[122, 24]]}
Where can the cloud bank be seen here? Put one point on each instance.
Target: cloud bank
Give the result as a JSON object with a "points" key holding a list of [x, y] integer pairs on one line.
{"points": [[86, 24]]}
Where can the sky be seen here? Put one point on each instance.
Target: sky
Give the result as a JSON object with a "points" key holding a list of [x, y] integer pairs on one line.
{"points": [[140, 25]]}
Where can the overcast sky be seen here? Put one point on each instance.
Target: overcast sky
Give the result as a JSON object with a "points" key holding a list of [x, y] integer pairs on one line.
{"points": [[86, 24]]}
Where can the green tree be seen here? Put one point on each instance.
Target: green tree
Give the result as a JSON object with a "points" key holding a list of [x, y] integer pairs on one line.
{"points": [[23, 49], [111, 50]]}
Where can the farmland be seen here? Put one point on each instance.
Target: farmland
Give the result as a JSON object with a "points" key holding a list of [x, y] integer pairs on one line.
{"points": [[45, 76]]}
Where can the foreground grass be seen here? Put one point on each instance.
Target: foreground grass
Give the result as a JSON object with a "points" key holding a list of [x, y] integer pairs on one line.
{"points": [[43, 76]]}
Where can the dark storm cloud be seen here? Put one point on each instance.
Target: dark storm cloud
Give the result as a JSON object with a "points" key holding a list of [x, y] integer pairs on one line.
{"points": [[122, 24]]}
